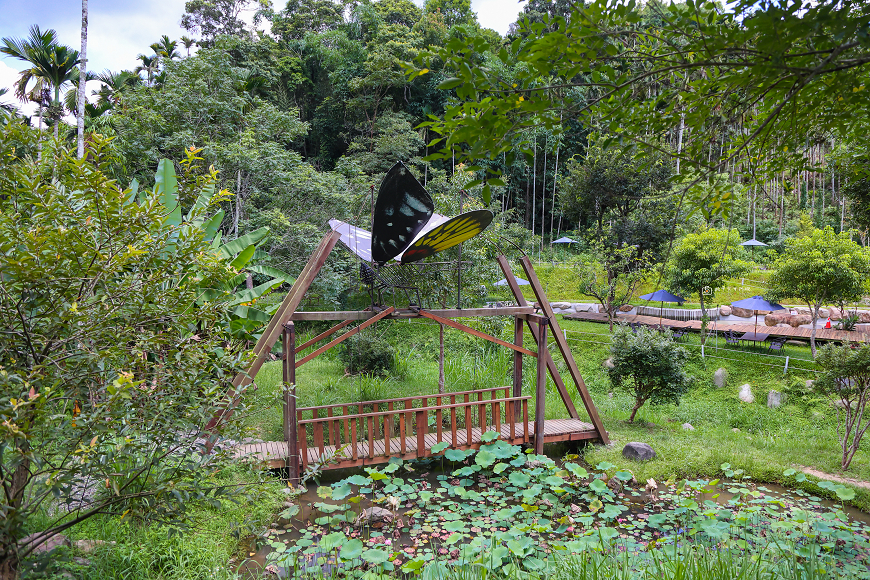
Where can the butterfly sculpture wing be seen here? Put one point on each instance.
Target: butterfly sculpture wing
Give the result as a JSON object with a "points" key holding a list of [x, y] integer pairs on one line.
{"points": [[451, 233], [402, 209]]}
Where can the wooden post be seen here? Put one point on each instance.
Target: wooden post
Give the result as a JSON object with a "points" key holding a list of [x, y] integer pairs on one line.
{"points": [[518, 365], [290, 428], [540, 389]]}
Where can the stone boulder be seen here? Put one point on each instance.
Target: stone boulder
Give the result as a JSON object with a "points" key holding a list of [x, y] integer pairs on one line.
{"points": [[725, 310], [835, 313], [774, 399], [48, 545], [608, 363], [863, 316], [637, 451], [374, 516], [798, 319], [746, 394], [626, 308], [585, 307], [720, 377], [688, 427], [800, 310], [824, 312], [561, 305], [773, 319], [741, 312]]}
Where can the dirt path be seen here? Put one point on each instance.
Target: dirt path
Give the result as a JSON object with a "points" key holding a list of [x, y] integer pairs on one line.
{"points": [[836, 478]]}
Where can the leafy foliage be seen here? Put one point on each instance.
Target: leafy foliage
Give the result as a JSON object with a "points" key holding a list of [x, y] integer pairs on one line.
{"points": [[365, 353], [108, 370], [846, 380], [649, 365]]}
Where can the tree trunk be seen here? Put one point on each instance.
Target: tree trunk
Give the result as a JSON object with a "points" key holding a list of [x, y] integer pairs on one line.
{"points": [[680, 140], [238, 207], [638, 403], [80, 106], [815, 313], [39, 138]]}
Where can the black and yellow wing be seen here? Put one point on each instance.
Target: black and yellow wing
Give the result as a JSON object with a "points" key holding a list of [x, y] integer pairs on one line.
{"points": [[402, 209], [451, 233]]}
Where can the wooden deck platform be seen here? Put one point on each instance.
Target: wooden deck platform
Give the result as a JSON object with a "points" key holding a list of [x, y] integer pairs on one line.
{"points": [[822, 334], [274, 453]]}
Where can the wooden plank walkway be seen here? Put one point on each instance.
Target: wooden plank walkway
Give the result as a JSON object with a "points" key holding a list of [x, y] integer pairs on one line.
{"points": [[274, 453], [822, 334]]}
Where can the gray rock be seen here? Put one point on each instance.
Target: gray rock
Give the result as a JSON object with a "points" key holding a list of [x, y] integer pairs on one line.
{"points": [[774, 399], [89, 546], [720, 377], [608, 364], [688, 427], [746, 394], [374, 515], [637, 451], [736, 430], [725, 310], [48, 545], [810, 383], [561, 305], [585, 308]]}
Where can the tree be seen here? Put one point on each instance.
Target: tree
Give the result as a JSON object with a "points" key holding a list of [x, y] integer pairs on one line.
{"points": [[211, 18], [705, 260], [455, 12], [187, 42], [822, 268], [649, 365], [109, 367], [150, 65], [772, 71], [80, 101], [845, 379], [53, 64], [301, 17], [612, 275]]}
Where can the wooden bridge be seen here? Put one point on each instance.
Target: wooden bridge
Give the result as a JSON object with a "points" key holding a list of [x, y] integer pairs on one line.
{"points": [[822, 334], [368, 432]]}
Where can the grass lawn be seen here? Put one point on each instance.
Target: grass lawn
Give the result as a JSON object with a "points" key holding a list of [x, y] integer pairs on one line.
{"points": [[749, 436]]}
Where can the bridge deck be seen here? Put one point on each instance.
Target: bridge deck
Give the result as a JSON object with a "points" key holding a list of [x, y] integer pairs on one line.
{"points": [[274, 453]]}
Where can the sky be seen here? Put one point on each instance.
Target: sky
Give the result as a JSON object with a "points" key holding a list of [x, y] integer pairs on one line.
{"points": [[119, 30]]}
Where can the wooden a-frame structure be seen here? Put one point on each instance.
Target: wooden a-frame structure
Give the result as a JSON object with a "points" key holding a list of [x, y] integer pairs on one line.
{"points": [[378, 430]]}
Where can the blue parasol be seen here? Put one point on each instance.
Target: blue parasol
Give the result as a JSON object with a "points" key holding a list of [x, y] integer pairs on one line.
{"points": [[662, 296], [757, 303], [520, 282], [564, 240]]}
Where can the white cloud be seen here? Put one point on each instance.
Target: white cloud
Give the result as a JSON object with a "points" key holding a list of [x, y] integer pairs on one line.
{"points": [[497, 14]]}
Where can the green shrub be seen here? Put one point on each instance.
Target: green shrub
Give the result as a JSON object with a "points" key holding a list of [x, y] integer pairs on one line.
{"points": [[368, 354]]}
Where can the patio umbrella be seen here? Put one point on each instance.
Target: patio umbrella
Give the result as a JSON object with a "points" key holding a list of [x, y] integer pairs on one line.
{"points": [[662, 296], [564, 240], [520, 282], [757, 303], [753, 242]]}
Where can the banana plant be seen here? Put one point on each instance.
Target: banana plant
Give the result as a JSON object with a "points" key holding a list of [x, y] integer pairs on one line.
{"points": [[241, 254]]}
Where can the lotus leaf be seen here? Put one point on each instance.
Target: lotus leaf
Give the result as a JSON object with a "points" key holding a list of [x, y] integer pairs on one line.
{"points": [[489, 436], [657, 520], [342, 492], [332, 541], [499, 467], [554, 481], [439, 447], [375, 556], [456, 454], [324, 491], [392, 467], [484, 458], [352, 549], [844, 493], [623, 475], [598, 485], [455, 526], [519, 479]]}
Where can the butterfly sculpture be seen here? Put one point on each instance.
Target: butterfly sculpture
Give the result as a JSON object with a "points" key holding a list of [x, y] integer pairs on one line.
{"points": [[403, 221]]}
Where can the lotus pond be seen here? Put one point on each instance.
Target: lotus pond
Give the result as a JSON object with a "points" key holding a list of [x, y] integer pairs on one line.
{"points": [[507, 512]]}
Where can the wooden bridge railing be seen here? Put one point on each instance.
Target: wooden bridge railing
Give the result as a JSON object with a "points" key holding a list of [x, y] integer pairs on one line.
{"points": [[372, 431]]}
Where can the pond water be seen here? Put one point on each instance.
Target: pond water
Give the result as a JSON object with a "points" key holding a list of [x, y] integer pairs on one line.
{"points": [[510, 511]]}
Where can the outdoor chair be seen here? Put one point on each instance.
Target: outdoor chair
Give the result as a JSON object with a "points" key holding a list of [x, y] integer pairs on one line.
{"points": [[731, 338], [776, 344]]}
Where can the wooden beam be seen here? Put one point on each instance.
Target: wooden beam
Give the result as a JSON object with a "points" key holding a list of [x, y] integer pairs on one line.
{"points": [[405, 313], [540, 390], [289, 407], [564, 348], [477, 333], [344, 336], [273, 329], [322, 335], [551, 364], [518, 365]]}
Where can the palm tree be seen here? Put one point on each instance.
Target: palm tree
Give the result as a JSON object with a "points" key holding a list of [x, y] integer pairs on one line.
{"points": [[114, 84], [187, 42], [55, 64], [165, 48], [149, 66]]}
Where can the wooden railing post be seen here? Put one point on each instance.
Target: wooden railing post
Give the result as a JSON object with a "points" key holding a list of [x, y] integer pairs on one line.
{"points": [[291, 434], [518, 365], [541, 387]]}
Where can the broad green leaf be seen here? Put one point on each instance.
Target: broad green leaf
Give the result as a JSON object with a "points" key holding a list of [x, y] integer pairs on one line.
{"points": [[375, 556], [351, 550], [241, 260], [484, 458], [439, 447], [233, 247], [166, 185]]}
